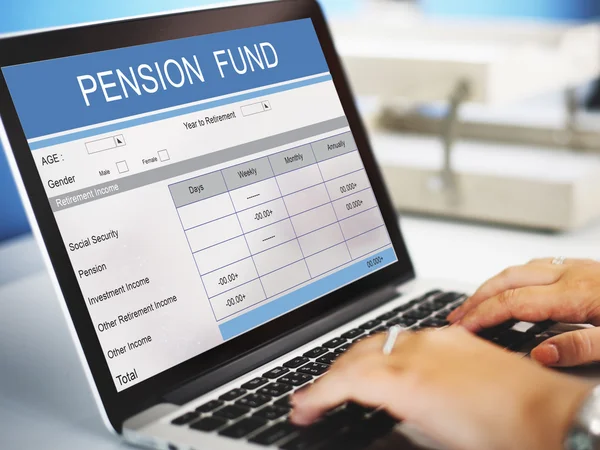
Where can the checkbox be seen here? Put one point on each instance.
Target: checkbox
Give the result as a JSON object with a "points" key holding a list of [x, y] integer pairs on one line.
{"points": [[122, 167], [163, 155]]}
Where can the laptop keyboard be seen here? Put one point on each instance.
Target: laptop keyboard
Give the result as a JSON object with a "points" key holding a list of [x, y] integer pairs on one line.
{"points": [[258, 410]]}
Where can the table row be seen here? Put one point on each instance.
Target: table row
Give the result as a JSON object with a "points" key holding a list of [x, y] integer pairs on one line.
{"points": [[253, 279], [241, 175], [296, 187], [314, 230], [267, 224]]}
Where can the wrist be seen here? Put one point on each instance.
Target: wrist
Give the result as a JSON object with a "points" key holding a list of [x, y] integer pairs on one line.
{"points": [[555, 408]]}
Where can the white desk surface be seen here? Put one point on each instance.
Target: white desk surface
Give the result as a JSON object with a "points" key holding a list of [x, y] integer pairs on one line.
{"points": [[44, 399]]}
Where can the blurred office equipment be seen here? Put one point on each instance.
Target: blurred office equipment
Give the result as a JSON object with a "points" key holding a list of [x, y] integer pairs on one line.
{"points": [[488, 108]]}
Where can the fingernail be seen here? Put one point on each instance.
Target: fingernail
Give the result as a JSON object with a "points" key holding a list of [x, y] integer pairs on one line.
{"points": [[546, 354]]}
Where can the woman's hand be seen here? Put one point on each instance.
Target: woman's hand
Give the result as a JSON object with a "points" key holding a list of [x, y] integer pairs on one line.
{"points": [[541, 291], [464, 392]]}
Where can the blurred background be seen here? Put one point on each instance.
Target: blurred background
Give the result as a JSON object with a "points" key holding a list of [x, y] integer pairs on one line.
{"points": [[478, 110]]}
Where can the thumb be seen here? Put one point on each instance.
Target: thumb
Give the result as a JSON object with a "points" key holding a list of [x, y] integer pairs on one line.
{"points": [[569, 349]]}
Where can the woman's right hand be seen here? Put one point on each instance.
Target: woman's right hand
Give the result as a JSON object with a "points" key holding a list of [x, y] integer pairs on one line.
{"points": [[540, 291]]}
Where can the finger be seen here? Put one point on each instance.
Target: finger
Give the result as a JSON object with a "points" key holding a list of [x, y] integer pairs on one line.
{"points": [[511, 278], [569, 349], [366, 380], [566, 262], [532, 304]]}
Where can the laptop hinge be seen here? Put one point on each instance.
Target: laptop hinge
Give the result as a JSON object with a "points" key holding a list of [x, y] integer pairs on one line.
{"points": [[272, 350]]}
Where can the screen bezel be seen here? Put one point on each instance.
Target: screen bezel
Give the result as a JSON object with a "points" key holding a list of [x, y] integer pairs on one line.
{"points": [[108, 36]]}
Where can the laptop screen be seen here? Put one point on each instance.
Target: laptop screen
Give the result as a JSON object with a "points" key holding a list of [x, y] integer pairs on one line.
{"points": [[202, 187]]}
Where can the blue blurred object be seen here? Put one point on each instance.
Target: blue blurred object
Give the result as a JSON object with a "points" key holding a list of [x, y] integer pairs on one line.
{"points": [[19, 15], [13, 221], [554, 10]]}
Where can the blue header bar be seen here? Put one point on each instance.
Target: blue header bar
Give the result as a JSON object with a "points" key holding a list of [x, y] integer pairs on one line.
{"points": [[64, 94]]}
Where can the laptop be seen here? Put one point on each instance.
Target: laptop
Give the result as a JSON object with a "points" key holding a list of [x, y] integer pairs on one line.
{"points": [[214, 222]]}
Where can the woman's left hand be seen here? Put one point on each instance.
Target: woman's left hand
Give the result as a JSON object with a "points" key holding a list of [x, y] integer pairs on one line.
{"points": [[465, 392]]}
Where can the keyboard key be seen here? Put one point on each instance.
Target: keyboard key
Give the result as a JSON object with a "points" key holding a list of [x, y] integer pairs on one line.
{"points": [[352, 333], [427, 307], [378, 330], [255, 383], [284, 401], [334, 343], [329, 358], [442, 315], [243, 427], [365, 432], [186, 418], [404, 307], [316, 352], [232, 412], [435, 323], [275, 389], [275, 433], [450, 297], [272, 412], [276, 372], [512, 339], [387, 316], [402, 321], [208, 424], [296, 362], [370, 325], [253, 400], [417, 314], [232, 395], [296, 379], [343, 348], [210, 406], [314, 368], [310, 436]]}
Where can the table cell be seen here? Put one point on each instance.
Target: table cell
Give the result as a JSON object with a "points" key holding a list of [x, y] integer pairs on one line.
{"points": [[348, 184], [314, 219], [368, 242], [198, 188], [328, 260], [205, 211], [263, 215], [307, 199], [247, 173], [361, 223], [278, 257], [221, 255], [334, 146], [292, 159], [255, 194], [340, 165], [299, 179], [321, 239], [285, 279], [354, 204], [229, 277], [213, 233], [237, 299], [270, 236]]}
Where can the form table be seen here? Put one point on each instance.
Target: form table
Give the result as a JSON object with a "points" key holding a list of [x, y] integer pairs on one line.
{"points": [[267, 226]]}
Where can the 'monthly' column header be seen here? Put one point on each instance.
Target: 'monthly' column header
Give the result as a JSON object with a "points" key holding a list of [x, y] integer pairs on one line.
{"points": [[68, 93]]}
